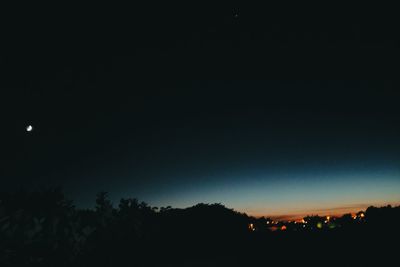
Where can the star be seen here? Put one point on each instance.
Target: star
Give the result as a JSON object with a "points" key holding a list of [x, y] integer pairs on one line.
{"points": [[29, 128]]}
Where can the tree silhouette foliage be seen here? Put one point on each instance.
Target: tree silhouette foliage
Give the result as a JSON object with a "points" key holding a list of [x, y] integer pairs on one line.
{"points": [[46, 229]]}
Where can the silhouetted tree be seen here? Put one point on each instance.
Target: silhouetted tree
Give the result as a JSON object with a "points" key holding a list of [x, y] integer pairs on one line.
{"points": [[45, 229]]}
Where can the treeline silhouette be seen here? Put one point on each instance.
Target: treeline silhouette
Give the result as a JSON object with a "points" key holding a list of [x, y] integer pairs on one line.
{"points": [[46, 229]]}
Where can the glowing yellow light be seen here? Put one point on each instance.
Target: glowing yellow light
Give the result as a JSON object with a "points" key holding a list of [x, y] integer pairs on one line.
{"points": [[362, 215], [319, 225], [328, 218], [251, 227]]}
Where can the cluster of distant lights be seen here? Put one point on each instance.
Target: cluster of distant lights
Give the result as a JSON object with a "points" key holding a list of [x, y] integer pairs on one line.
{"points": [[281, 225]]}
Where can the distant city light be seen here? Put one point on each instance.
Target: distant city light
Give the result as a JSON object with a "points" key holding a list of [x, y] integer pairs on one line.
{"points": [[251, 227], [331, 225]]}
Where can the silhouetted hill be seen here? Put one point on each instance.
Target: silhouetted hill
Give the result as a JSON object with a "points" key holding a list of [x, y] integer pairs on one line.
{"points": [[45, 229]]}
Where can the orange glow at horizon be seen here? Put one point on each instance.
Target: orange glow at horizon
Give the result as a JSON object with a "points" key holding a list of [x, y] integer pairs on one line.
{"points": [[329, 212]]}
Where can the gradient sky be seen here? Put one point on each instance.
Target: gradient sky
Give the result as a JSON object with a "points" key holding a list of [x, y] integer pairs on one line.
{"points": [[268, 113]]}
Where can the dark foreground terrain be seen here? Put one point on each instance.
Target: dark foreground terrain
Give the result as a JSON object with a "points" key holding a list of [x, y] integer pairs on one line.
{"points": [[45, 229]]}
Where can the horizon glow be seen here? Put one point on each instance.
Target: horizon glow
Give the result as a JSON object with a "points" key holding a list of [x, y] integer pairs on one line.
{"points": [[293, 195]]}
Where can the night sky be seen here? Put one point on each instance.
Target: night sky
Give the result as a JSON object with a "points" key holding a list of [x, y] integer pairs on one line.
{"points": [[266, 110]]}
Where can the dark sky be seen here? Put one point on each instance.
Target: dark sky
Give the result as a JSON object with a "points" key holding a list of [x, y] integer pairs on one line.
{"points": [[265, 109]]}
